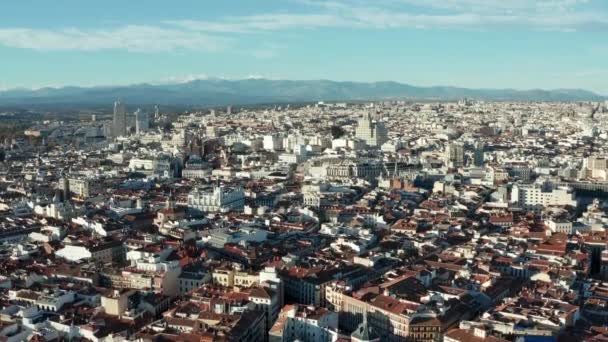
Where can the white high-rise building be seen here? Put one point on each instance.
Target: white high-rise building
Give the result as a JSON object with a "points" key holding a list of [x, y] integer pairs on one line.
{"points": [[142, 121], [596, 167], [273, 142], [120, 119], [374, 133]]}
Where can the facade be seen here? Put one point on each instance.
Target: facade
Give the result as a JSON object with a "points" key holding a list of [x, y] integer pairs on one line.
{"points": [[142, 121], [221, 199], [165, 282], [306, 324], [535, 197], [387, 317], [363, 169], [478, 156], [113, 251], [188, 281], [116, 302], [425, 328], [559, 226], [273, 142], [231, 278], [454, 155], [196, 173], [305, 288], [119, 119], [374, 133], [81, 187], [595, 167]]}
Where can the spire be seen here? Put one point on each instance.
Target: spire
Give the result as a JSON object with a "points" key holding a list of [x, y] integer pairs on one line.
{"points": [[364, 333], [395, 171], [170, 204]]}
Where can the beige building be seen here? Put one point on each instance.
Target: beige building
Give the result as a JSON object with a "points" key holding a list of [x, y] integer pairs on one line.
{"points": [[116, 302], [229, 278]]}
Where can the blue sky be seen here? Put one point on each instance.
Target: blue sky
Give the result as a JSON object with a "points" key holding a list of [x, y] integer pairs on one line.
{"points": [[472, 43]]}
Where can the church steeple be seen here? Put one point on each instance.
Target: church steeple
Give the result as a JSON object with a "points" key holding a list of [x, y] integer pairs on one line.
{"points": [[170, 204], [364, 333]]}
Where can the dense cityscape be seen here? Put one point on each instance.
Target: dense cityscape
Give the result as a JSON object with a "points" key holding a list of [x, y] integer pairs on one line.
{"points": [[368, 221]]}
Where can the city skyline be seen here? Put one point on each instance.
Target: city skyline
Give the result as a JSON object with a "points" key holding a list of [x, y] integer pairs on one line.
{"points": [[304, 170], [548, 44]]}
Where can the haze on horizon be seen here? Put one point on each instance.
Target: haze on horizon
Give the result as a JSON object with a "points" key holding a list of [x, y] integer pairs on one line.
{"points": [[520, 44]]}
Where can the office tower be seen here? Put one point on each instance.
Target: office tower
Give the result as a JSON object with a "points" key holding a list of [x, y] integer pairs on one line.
{"points": [[374, 133], [142, 121], [65, 187], [273, 142], [478, 158], [120, 119], [454, 155], [229, 110], [156, 113], [596, 167]]}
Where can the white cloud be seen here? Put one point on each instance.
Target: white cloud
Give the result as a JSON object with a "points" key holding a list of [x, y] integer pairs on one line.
{"points": [[381, 18], [263, 22], [216, 35], [561, 15], [137, 38], [184, 78], [385, 19], [494, 6]]}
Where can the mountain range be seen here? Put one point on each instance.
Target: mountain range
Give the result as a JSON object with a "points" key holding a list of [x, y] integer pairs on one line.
{"points": [[216, 92]]}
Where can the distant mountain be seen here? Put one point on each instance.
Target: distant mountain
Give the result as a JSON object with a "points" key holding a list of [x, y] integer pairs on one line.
{"points": [[214, 92]]}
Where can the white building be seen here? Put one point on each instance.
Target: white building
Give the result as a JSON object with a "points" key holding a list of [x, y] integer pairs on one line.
{"points": [[47, 234], [80, 186], [538, 196], [142, 121], [62, 211], [596, 167], [220, 199], [74, 253], [273, 142], [305, 323], [159, 166], [374, 133], [559, 226]]}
